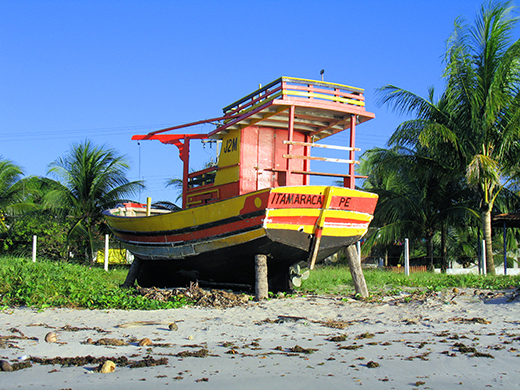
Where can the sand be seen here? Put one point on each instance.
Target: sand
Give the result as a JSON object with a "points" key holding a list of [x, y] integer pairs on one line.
{"points": [[464, 339]]}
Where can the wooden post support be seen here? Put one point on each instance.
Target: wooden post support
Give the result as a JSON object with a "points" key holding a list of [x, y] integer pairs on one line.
{"points": [[261, 285], [360, 285], [133, 272], [315, 249]]}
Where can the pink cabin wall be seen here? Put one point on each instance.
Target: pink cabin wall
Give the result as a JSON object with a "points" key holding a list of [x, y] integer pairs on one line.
{"points": [[262, 164]]}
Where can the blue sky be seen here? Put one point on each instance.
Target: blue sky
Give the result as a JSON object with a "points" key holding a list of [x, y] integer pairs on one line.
{"points": [[105, 70]]}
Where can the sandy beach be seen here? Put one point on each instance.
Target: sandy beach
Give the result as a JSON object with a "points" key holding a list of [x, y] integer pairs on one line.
{"points": [[452, 339]]}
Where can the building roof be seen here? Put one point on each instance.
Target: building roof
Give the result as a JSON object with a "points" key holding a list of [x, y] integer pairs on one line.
{"points": [[510, 220]]}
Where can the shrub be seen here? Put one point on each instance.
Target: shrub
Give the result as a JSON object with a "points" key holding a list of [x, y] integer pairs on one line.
{"points": [[51, 233]]}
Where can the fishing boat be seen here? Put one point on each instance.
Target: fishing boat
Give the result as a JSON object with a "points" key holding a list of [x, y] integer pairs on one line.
{"points": [[257, 198]]}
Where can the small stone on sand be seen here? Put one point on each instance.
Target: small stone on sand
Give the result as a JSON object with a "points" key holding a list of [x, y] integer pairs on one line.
{"points": [[145, 342], [51, 337], [5, 366], [108, 366]]}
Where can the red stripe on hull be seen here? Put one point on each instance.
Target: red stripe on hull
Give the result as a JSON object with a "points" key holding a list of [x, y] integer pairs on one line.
{"points": [[280, 200], [344, 220], [359, 204], [311, 220], [196, 234], [302, 220]]}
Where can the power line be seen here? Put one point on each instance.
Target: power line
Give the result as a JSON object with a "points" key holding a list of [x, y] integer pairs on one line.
{"points": [[37, 135]]}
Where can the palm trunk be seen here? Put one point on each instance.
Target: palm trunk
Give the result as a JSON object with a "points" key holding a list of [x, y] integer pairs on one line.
{"points": [[486, 229], [429, 253], [444, 260]]}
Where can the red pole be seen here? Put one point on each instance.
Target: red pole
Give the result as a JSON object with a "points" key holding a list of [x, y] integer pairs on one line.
{"points": [[350, 182], [186, 162], [289, 146], [306, 163]]}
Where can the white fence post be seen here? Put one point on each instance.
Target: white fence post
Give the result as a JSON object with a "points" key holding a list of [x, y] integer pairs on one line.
{"points": [[106, 252], [358, 247], [406, 257], [484, 265], [34, 249], [505, 248]]}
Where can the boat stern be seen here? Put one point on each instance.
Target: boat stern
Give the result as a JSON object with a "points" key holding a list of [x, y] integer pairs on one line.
{"points": [[339, 216]]}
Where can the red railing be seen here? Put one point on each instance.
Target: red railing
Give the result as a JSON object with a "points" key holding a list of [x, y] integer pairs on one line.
{"points": [[290, 87]]}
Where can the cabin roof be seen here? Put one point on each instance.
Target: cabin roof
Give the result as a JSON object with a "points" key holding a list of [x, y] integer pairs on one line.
{"points": [[320, 108]]}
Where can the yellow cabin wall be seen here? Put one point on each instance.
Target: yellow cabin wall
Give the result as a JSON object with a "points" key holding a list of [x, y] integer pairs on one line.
{"points": [[229, 156]]}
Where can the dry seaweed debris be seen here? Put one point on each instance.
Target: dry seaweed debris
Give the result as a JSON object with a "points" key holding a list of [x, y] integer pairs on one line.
{"points": [[199, 297], [422, 356], [339, 338], [336, 324], [464, 349], [474, 320], [79, 360], [6, 366], [70, 328], [9, 341], [515, 295], [340, 324], [482, 354], [106, 342], [201, 353], [298, 349], [281, 319], [351, 347], [14, 337], [365, 335], [147, 361]]}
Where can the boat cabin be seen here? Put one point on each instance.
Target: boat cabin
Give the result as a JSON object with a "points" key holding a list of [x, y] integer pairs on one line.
{"points": [[266, 139]]}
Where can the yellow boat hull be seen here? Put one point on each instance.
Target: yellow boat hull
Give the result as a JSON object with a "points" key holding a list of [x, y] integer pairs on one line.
{"points": [[217, 242]]}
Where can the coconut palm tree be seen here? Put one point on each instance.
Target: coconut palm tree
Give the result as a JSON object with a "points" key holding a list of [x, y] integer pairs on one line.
{"points": [[418, 197], [483, 73], [92, 179], [10, 189], [478, 128]]}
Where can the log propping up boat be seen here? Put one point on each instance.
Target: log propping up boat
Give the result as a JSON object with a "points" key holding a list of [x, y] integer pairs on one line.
{"points": [[258, 198]]}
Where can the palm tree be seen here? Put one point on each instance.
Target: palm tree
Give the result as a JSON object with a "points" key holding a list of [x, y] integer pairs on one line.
{"points": [[478, 128], [418, 196], [483, 72], [10, 189], [177, 184], [92, 179]]}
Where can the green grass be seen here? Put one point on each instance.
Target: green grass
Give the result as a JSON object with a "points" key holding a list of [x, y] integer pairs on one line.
{"points": [[56, 284], [337, 280]]}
